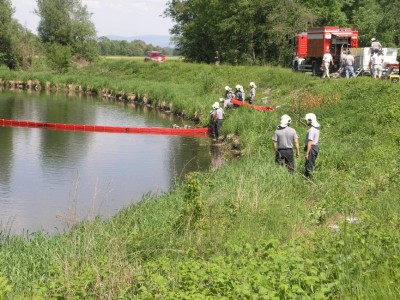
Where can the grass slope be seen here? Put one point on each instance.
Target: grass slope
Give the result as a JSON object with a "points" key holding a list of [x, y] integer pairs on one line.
{"points": [[248, 230]]}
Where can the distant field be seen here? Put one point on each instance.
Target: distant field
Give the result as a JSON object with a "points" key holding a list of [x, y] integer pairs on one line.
{"points": [[141, 57]]}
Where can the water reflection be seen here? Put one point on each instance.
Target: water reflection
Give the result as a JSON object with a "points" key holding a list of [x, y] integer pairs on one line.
{"points": [[217, 160], [50, 179]]}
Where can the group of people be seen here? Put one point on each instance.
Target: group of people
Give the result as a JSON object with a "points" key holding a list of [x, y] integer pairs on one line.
{"points": [[238, 94], [347, 61], [217, 112], [286, 137], [283, 139]]}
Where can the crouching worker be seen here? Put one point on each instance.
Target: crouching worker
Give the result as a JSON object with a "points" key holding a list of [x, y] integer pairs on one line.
{"points": [[282, 143], [217, 118], [229, 95], [311, 144]]}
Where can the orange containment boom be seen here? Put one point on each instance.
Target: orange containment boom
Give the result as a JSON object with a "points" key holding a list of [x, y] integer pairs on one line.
{"points": [[99, 128], [258, 107]]}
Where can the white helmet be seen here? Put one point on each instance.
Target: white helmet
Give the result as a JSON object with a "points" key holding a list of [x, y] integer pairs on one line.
{"points": [[253, 85], [238, 86], [215, 105], [285, 121], [241, 88], [373, 39], [311, 119], [227, 88]]}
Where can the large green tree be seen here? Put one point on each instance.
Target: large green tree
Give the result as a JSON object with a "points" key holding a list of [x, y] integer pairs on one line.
{"points": [[259, 31], [196, 31], [9, 32], [244, 31], [67, 23], [17, 45]]}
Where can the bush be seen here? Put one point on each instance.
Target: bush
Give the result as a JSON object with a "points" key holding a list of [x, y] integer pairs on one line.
{"points": [[59, 57]]}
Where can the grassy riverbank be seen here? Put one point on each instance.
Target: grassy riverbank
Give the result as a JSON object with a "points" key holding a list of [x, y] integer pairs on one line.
{"points": [[249, 229]]}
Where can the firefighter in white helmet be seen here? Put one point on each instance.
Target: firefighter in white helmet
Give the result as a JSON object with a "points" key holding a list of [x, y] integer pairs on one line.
{"points": [[311, 144], [238, 93], [243, 94], [217, 118], [229, 95], [252, 92], [282, 142]]}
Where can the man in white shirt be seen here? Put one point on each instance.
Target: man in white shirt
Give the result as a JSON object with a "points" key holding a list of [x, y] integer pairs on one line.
{"points": [[350, 65], [376, 64], [327, 59]]}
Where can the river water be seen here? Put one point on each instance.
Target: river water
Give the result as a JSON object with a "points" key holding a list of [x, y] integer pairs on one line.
{"points": [[51, 179]]}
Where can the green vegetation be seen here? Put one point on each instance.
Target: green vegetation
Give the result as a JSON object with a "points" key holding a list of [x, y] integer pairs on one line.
{"points": [[66, 32], [256, 32], [124, 48], [248, 230], [259, 31]]}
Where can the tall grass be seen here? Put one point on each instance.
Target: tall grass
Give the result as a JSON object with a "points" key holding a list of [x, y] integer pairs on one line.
{"points": [[255, 231]]}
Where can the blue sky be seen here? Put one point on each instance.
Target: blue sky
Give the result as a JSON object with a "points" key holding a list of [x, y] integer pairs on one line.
{"points": [[111, 17]]}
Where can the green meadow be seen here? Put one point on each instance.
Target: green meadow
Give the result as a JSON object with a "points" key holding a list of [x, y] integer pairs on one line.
{"points": [[248, 230]]}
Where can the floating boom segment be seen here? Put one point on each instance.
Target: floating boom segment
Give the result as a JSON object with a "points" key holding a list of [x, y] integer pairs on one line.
{"points": [[100, 128]]}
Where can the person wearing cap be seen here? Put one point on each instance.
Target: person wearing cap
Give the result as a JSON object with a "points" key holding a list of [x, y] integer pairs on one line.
{"points": [[217, 116], [327, 60], [311, 144], [282, 143], [375, 45], [252, 92]]}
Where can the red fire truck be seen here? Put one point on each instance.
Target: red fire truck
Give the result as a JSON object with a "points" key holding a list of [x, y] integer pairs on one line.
{"points": [[311, 46]]}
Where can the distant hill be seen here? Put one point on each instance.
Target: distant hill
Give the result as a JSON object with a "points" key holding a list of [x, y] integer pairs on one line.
{"points": [[155, 40]]}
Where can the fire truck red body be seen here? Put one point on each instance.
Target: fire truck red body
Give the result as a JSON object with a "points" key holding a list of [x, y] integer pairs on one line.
{"points": [[311, 46]]}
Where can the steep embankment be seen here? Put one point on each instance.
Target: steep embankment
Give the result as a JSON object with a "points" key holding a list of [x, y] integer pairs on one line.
{"points": [[249, 229]]}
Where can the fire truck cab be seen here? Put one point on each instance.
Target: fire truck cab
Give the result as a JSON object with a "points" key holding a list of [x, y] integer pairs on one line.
{"points": [[311, 46]]}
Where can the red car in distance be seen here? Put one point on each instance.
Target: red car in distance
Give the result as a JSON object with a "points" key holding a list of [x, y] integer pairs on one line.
{"points": [[156, 56]]}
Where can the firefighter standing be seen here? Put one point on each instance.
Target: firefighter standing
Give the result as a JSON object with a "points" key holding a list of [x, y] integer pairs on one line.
{"points": [[282, 143], [217, 117], [238, 93], [311, 144], [252, 92]]}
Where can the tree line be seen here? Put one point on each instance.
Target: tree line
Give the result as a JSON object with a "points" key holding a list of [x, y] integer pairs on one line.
{"points": [[125, 48], [260, 31], [66, 35], [243, 31]]}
